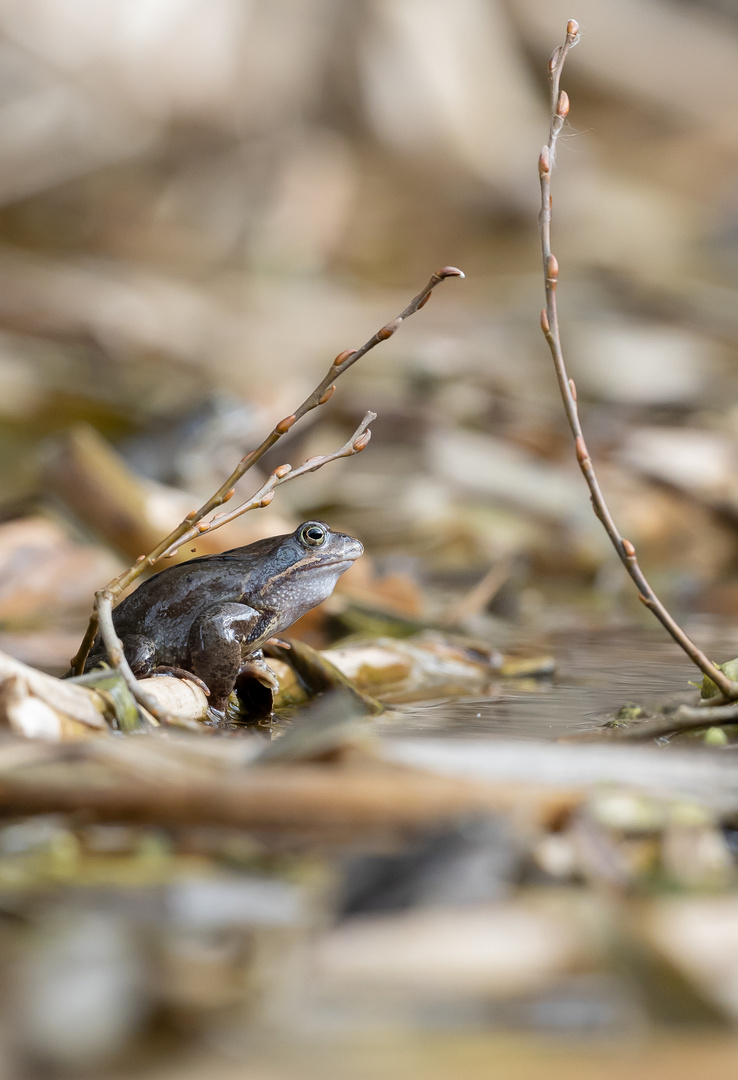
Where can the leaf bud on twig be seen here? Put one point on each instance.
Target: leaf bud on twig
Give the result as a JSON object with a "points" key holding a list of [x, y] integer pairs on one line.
{"points": [[362, 441], [581, 449], [552, 269], [284, 425], [389, 329], [328, 394], [281, 471], [554, 58], [572, 28], [229, 494], [343, 357], [544, 161], [573, 388], [628, 548], [189, 517], [562, 108], [545, 325], [425, 300], [267, 498]]}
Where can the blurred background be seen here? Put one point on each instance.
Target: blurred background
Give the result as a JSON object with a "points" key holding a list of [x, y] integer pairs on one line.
{"points": [[201, 203]]}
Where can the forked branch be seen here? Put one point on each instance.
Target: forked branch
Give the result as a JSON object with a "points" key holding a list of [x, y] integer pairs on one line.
{"points": [[550, 326], [104, 599], [319, 396], [195, 522]]}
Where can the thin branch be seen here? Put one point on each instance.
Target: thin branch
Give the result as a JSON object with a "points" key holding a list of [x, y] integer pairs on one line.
{"points": [[281, 475], [550, 327], [686, 718], [116, 655], [319, 396]]}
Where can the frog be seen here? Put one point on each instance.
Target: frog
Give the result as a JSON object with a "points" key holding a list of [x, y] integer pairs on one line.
{"points": [[210, 617]]}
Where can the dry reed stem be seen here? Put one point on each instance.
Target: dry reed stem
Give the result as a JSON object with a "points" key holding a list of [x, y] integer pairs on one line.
{"points": [[550, 325], [297, 798]]}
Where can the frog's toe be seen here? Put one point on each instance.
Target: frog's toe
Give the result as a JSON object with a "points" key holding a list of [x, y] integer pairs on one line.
{"points": [[180, 673], [279, 642], [260, 670]]}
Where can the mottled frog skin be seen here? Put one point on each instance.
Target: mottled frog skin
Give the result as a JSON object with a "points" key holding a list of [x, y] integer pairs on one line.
{"points": [[211, 616]]}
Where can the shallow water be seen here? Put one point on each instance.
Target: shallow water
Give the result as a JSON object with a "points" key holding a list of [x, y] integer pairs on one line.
{"points": [[596, 673]]}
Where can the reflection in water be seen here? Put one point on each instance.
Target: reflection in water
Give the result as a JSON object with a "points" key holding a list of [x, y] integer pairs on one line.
{"points": [[596, 673]]}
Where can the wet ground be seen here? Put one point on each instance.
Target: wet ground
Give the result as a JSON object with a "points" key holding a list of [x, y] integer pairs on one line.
{"points": [[596, 673]]}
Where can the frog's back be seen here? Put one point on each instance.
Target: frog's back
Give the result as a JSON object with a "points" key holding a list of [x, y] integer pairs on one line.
{"points": [[165, 607]]}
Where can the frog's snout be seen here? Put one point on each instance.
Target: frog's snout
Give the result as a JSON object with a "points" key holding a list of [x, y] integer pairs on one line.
{"points": [[356, 549]]}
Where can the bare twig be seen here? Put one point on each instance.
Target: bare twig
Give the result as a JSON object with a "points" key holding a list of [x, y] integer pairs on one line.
{"points": [[281, 475], [550, 326], [689, 718], [105, 597], [319, 396], [709, 716], [686, 718]]}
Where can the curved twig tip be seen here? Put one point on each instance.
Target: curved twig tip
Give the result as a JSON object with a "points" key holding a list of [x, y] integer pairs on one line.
{"points": [[449, 271]]}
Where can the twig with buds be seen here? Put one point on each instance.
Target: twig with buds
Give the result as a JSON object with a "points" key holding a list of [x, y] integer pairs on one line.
{"points": [[550, 327], [281, 475], [194, 523], [104, 599]]}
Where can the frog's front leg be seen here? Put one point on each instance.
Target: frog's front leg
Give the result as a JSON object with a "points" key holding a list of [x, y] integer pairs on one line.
{"points": [[217, 641], [139, 650]]}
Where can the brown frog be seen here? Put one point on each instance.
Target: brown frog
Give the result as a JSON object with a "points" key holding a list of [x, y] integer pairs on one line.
{"points": [[211, 616]]}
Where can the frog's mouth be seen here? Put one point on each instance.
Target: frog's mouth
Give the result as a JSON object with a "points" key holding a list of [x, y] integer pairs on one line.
{"points": [[333, 564]]}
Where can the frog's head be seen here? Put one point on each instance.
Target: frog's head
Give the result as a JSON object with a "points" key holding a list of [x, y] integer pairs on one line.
{"points": [[302, 568]]}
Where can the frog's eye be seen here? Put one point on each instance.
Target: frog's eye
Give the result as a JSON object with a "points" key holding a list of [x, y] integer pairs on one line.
{"points": [[312, 534]]}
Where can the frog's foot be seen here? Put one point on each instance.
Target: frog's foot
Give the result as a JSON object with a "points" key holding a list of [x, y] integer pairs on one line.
{"points": [[180, 673], [258, 669], [278, 642]]}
